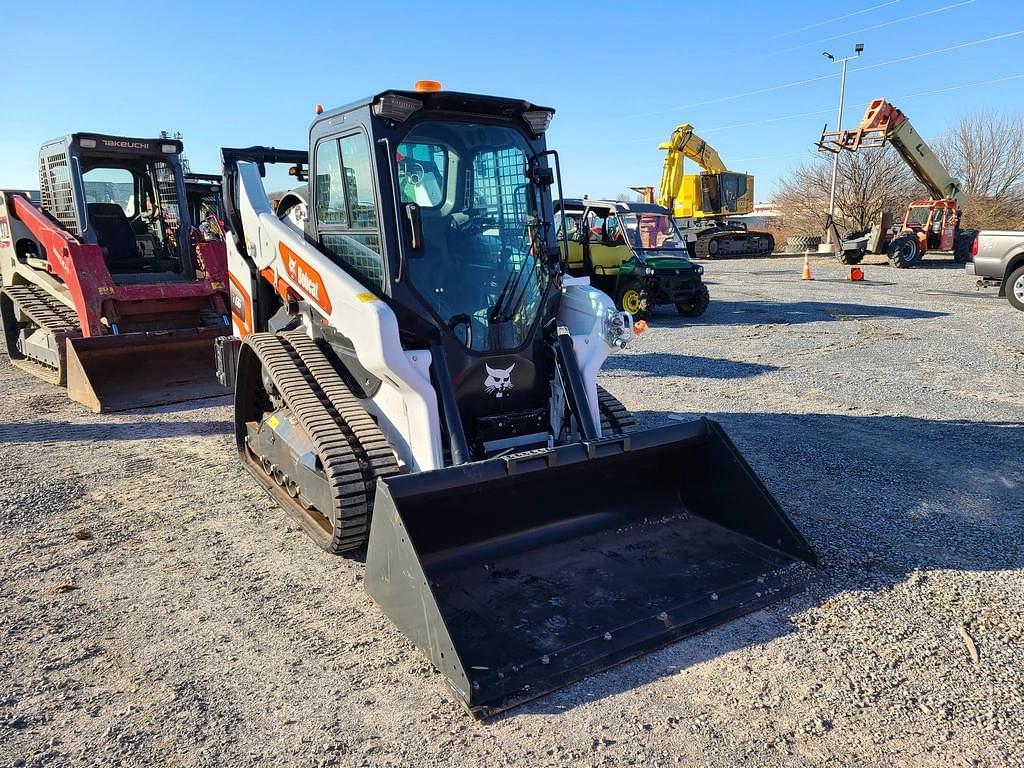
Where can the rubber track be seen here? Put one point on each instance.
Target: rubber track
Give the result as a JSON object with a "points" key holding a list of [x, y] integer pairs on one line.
{"points": [[614, 416], [369, 442], [47, 314], [350, 517]]}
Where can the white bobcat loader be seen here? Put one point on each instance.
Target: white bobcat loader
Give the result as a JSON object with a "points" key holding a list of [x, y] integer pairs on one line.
{"points": [[414, 374]]}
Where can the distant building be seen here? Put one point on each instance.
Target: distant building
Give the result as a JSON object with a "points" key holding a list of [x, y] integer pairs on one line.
{"points": [[764, 216]]}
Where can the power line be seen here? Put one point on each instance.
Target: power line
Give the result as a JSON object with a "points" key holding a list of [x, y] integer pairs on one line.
{"points": [[829, 21], [805, 81], [876, 26], [828, 110], [940, 50]]}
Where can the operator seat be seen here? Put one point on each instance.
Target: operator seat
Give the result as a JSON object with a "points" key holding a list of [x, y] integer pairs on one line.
{"points": [[114, 234]]}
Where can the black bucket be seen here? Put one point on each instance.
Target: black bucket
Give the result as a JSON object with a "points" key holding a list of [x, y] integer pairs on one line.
{"points": [[521, 574]]}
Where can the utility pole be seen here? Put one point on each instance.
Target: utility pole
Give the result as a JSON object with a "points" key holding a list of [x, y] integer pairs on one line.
{"points": [[839, 125]]}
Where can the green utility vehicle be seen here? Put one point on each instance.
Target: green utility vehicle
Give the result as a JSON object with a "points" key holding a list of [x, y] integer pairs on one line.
{"points": [[634, 253]]}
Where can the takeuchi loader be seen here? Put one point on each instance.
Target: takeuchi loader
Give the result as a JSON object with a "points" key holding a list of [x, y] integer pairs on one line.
{"points": [[416, 374], [108, 288]]}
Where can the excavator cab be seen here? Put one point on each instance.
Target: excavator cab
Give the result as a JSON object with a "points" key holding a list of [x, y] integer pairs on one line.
{"points": [[416, 373]]}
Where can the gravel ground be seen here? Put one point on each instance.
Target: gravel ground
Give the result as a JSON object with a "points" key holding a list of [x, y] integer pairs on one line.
{"points": [[157, 609]]}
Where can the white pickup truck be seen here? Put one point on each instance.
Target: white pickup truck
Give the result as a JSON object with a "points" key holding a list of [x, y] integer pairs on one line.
{"points": [[997, 258]]}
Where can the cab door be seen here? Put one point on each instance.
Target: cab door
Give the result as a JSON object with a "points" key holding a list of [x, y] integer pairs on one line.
{"points": [[607, 243]]}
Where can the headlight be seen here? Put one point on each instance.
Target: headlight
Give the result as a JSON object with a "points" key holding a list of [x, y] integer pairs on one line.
{"points": [[699, 268], [648, 271], [618, 328]]}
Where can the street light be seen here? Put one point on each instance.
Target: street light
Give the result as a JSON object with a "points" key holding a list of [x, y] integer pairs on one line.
{"points": [[839, 124]]}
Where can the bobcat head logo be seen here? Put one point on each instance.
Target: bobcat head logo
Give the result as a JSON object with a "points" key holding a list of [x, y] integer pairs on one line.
{"points": [[499, 380]]}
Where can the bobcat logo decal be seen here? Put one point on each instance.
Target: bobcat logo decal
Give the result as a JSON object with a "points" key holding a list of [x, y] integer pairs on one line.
{"points": [[499, 380]]}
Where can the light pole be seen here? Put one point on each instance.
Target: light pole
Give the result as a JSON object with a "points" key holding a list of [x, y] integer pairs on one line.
{"points": [[839, 125]]}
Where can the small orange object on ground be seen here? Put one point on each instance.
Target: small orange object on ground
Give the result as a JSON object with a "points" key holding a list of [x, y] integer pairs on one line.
{"points": [[807, 267]]}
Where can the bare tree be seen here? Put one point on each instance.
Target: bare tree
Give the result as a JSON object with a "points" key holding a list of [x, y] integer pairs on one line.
{"points": [[985, 151], [869, 183]]}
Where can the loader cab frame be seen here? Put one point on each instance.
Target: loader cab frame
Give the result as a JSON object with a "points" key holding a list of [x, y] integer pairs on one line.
{"points": [[440, 204], [125, 195]]}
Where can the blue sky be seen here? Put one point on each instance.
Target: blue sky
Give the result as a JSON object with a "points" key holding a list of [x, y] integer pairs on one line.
{"points": [[621, 75]]}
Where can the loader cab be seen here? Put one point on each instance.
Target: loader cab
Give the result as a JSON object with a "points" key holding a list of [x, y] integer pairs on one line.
{"points": [[125, 195], [440, 203]]}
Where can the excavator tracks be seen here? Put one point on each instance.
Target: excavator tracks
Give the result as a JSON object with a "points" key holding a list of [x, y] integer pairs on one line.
{"points": [[47, 315], [351, 451]]}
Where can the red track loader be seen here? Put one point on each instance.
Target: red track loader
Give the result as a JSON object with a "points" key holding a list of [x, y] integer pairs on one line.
{"points": [[108, 287]]}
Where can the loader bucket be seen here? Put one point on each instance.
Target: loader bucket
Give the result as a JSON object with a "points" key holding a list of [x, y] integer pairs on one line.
{"points": [[135, 370], [518, 575]]}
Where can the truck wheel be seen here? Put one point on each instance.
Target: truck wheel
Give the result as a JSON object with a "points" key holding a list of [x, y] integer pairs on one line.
{"points": [[1015, 288], [633, 299], [904, 251], [698, 306]]}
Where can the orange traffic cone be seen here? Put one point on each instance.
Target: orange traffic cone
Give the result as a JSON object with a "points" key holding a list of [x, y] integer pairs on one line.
{"points": [[807, 267], [856, 274]]}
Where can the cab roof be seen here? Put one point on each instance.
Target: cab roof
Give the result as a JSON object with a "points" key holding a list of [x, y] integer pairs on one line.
{"points": [[578, 205]]}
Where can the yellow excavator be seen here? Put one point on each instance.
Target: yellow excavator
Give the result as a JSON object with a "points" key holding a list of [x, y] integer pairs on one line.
{"points": [[702, 202]]}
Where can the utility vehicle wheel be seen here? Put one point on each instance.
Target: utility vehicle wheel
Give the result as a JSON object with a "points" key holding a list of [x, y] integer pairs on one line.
{"points": [[633, 299], [850, 257], [698, 306], [1015, 288], [904, 251]]}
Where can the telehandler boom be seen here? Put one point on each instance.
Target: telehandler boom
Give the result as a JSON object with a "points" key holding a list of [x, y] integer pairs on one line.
{"points": [[927, 224], [414, 373]]}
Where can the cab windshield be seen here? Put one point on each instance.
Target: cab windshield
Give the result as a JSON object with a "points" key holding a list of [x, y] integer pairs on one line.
{"points": [[479, 265], [918, 215], [651, 231]]}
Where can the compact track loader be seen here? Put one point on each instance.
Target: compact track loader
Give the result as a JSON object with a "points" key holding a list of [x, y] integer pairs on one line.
{"points": [[108, 289], [416, 374]]}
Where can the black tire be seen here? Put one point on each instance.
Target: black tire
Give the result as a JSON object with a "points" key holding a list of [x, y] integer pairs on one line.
{"points": [[963, 244], [904, 251], [804, 241], [698, 306], [633, 298], [850, 257], [1015, 288], [615, 417]]}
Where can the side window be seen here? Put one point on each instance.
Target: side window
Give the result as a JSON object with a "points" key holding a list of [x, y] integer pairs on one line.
{"points": [[329, 191], [362, 201], [346, 207]]}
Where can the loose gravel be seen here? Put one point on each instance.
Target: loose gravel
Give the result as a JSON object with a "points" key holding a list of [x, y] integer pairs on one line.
{"points": [[156, 608]]}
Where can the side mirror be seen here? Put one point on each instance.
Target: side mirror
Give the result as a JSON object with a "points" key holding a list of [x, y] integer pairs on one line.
{"points": [[414, 234], [542, 177]]}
